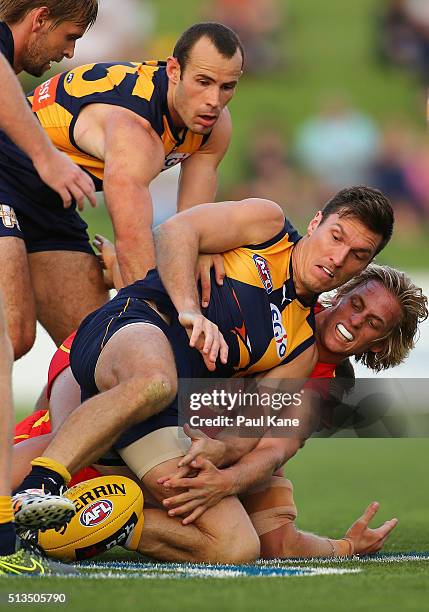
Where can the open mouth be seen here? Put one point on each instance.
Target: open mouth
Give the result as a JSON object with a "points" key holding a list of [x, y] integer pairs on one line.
{"points": [[207, 120], [344, 332], [327, 271]]}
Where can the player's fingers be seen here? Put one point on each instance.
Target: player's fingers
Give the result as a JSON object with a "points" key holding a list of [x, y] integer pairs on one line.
{"points": [[369, 513], [205, 287], [214, 351], [209, 331], [87, 186], [223, 351], [185, 508], [66, 197], [219, 268], [196, 332], [78, 196], [195, 515], [388, 526], [177, 500]]}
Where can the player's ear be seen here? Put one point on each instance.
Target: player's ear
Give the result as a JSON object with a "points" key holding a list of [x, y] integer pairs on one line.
{"points": [[378, 346], [39, 18], [314, 223], [173, 69]]}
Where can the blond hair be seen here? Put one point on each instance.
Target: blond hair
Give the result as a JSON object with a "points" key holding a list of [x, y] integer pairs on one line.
{"points": [[414, 307], [80, 12]]}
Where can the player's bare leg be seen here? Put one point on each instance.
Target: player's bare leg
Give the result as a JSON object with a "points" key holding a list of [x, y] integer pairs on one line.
{"points": [[223, 534], [65, 397], [67, 287], [15, 284]]}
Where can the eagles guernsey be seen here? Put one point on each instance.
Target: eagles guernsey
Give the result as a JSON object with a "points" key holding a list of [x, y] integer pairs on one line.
{"points": [[140, 88], [256, 309]]}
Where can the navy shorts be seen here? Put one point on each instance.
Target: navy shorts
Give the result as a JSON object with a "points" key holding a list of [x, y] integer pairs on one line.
{"points": [[96, 330], [30, 210]]}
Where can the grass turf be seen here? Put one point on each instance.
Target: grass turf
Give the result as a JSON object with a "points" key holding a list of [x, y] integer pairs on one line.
{"points": [[334, 480]]}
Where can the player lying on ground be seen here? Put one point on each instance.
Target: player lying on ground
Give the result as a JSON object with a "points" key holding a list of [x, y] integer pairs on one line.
{"points": [[136, 368], [359, 306], [156, 423], [123, 123]]}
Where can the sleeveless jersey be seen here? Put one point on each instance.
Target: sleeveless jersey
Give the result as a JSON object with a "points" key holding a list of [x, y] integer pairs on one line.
{"points": [[140, 88]]}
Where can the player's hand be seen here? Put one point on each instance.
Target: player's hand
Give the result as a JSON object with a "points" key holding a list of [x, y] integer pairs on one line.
{"points": [[204, 265], [202, 446], [109, 262], [205, 337], [365, 539], [204, 491], [66, 178]]}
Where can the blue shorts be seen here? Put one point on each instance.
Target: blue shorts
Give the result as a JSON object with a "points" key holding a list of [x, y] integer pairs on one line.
{"points": [[126, 308], [31, 210]]}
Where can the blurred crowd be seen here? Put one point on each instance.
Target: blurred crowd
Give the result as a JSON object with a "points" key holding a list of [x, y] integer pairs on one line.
{"points": [[403, 35], [337, 147]]}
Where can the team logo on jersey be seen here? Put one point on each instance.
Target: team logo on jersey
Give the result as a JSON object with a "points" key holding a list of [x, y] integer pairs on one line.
{"points": [[173, 159], [45, 94], [8, 216], [264, 272], [96, 513], [280, 335]]}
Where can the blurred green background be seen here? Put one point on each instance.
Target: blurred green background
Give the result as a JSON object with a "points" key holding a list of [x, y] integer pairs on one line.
{"points": [[326, 48]]}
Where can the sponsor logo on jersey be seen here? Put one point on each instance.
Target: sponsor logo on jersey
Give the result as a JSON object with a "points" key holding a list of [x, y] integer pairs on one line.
{"points": [[8, 217], [285, 299], [45, 94], [96, 513], [173, 159], [70, 77], [264, 272], [280, 335]]}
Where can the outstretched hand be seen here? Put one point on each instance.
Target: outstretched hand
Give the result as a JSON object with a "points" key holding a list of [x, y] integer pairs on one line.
{"points": [[365, 539]]}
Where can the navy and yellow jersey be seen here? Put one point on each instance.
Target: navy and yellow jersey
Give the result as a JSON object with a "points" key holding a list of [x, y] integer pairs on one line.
{"points": [[7, 45], [140, 88], [256, 309]]}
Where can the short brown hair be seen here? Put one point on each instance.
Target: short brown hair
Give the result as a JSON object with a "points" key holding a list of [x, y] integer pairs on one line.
{"points": [[223, 38], [366, 204], [414, 307], [80, 12]]}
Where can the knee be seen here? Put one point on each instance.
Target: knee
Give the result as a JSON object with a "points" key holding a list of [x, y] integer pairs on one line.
{"points": [[22, 336], [236, 548], [156, 392]]}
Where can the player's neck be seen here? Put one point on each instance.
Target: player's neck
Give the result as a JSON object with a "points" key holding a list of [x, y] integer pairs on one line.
{"points": [[20, 35], [297, 256]]}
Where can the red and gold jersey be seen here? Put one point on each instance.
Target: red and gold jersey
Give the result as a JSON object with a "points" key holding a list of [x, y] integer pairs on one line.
{"points": [[60, 361], [138, 87]]}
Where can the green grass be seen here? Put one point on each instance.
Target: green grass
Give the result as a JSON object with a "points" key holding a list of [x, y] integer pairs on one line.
{"points": [[334, 480]]}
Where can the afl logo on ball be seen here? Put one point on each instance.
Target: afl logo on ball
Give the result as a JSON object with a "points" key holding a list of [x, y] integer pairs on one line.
{"points": [[96, 513]]}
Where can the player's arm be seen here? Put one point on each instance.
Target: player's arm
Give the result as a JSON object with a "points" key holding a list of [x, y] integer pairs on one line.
{"points": [[213, 484], [133, 156], [298, 368], [360, 539], [209, 228], [19, 123]]}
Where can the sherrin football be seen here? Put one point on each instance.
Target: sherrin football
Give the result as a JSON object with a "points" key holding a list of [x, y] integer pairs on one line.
{"points": [[107, 512]]}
